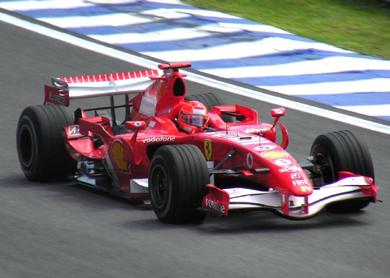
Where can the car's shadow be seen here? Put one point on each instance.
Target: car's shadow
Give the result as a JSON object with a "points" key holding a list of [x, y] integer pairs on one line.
{"points": [[264, 222], [71, 192], [95, 200]]}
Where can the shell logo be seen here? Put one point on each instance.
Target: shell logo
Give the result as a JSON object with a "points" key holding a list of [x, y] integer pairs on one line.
{"points": [[274, 154]]}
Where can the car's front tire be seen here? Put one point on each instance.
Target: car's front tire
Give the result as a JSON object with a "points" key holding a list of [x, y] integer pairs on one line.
{"points": [[177, 183], [342, 151]]}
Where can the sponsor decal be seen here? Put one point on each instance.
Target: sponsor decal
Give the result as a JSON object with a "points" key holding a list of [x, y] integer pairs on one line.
{"points": [[278, 110], [295, 176], [73, 130], [208, 148], [255, 130], [289, 169], [264, 148], [274, 154], [249, 160], [283, 162], [138, 123], [118, 156], [165, 139], [214, 205], [300, 183]]}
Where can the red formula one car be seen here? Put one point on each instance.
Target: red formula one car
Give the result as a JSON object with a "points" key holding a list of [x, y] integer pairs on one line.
{"points": [[187, 154]]}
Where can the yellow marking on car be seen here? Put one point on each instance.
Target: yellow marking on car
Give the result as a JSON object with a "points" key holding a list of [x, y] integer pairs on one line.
{"points": [[274, 154], [208, 149], [118, 156]]}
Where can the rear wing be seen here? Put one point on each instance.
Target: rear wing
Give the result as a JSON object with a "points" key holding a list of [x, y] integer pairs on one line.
{"points": [[63, 89]]}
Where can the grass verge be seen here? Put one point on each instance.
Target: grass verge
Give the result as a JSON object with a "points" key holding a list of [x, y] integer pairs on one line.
{"points": [[358, 25]]}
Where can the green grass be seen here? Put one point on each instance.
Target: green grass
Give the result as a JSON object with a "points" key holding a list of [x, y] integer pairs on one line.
{"points": [[358, 25]]}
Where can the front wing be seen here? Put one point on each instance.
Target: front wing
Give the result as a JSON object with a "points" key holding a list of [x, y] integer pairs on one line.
{"points": [[223, 201]]}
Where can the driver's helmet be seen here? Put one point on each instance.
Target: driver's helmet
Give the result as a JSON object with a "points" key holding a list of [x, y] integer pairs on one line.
{"points": [[192, 117]]}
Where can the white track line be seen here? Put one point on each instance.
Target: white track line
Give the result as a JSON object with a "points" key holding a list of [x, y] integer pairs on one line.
{"points": [[340, 87], [234, 89], [371, 110], [321, 66]]}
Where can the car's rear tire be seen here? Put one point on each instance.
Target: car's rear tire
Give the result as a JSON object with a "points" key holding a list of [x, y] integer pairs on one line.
{"points": [[210, 100], [177, 183], [342, 151], [40, 144]]}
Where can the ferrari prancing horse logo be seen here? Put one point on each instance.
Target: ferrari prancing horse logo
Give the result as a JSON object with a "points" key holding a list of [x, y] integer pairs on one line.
{"points": [[208, 149]]}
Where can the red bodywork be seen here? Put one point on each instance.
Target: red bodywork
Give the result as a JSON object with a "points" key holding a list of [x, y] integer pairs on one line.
{"points": [[258, 160]]}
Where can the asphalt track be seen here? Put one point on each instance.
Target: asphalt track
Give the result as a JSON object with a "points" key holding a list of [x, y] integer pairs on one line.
{"points": [[65, 230]]}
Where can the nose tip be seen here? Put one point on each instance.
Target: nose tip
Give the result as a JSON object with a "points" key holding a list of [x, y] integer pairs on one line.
{"points": [[302, 190]]}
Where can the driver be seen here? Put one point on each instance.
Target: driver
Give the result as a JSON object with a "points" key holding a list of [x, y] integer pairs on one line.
{"points": [[192, 117]]}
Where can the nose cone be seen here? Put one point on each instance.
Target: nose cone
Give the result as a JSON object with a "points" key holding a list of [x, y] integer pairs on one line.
{"points": [[294, 180], [286, 173]]}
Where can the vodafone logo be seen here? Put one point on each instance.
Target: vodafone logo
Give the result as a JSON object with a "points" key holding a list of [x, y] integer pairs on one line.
{"points": [[254, 130], [215, 205], [159, 139]]}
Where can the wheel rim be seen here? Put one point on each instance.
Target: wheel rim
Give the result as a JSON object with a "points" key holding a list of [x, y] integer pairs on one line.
{"points": [[26, 143], [161, 187]]}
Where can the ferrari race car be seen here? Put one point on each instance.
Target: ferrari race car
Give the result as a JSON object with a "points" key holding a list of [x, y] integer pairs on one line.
{"points": [[188, 155]]}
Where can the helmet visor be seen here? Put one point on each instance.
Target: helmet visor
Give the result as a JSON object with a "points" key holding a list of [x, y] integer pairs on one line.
{"points": [[195, 120]]}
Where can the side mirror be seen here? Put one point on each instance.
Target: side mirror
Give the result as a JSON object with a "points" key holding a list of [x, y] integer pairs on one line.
{"points": [[278, 112], [135, 125]]}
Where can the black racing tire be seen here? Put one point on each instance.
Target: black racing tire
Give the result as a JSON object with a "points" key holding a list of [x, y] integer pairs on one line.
{"points": [[177, 183], [210, 100], [342, 151], [40, 144]]}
